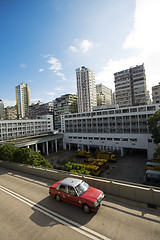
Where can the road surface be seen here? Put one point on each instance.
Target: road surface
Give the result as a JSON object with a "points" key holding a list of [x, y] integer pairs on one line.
{"points": [[28, 212]]}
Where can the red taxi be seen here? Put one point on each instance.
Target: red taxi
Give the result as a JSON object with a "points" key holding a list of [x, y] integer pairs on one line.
{"points": [[78, 193]]}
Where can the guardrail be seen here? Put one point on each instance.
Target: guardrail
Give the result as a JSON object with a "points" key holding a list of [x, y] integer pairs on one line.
{"points": [[136, 192]]}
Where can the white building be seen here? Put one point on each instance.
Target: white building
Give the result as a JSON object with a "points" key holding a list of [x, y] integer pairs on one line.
{"points": [[122, 129], [86, 89], [11, 129], [22, 100]]}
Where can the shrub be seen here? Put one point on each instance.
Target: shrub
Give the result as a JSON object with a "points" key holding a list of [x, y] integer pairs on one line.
{"points": [[23, 155]]}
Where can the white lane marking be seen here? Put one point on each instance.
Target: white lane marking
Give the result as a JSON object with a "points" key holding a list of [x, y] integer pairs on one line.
{"points": [[56, 216]]}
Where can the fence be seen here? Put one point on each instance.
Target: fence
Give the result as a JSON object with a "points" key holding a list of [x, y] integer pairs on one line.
{"points": [[136, 192]]}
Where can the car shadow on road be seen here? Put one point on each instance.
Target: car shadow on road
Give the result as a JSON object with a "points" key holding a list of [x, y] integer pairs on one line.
{"points": [[48, 213]]}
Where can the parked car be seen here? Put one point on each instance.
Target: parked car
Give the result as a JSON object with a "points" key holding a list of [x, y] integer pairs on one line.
{"points": [[78, 193]]}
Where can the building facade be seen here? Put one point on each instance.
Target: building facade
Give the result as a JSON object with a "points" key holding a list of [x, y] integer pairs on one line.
{"points": [[156, 93], [130, 86], [86, 89], [121, 129], [22, 100], [39, 109], [64, 105], [11, 129], [104, 95], [1, 108], [10, 113]]}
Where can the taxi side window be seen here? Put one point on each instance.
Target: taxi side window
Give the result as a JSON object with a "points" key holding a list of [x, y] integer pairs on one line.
{"points": [[71, 191], [63, 188]]}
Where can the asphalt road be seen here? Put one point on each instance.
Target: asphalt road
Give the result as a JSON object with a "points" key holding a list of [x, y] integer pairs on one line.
{"points": [[28, 212]]}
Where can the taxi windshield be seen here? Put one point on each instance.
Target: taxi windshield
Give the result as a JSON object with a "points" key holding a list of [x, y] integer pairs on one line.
{"points": [[82, 188]]}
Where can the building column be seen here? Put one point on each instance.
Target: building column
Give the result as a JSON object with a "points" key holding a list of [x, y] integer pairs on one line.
{"points": [[36, 147], [64, 145], [122, 152], [52, 146], [56, 146], [43, 147], [88, 148], [69, 146], [47, 148]]}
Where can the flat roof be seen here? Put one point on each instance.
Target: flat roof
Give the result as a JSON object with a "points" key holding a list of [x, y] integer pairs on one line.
{"points": [[30, 140], [72, 182]]}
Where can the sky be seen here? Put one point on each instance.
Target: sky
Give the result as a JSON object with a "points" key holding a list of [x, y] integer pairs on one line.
{"points": [[42, 42]]}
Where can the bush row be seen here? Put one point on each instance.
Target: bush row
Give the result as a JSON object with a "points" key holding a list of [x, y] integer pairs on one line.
{"points": [[23, 155], [75, 167]]}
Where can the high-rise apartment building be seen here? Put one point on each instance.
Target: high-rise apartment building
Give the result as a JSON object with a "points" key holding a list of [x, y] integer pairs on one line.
{"points": [[10, 113], [22, 100], [130, 86], [1, 108], [104, 95], [156, 93], [86, 89], [65, 104]]}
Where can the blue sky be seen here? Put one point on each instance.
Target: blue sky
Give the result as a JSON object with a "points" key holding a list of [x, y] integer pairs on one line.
{"points": [[42, 42]]}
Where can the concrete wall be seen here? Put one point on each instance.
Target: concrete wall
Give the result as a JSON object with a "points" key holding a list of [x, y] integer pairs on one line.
{"points": [[140, 193]]}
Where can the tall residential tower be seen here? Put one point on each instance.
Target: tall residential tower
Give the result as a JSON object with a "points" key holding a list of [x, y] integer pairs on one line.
{"points": [[86, 89], [22, 100], [130, 86]]}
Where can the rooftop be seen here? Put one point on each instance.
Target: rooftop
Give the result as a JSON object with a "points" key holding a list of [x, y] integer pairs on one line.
{"points": [[73, 182]]}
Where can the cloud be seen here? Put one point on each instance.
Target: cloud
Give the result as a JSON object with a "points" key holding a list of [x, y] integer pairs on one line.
{"points": [[144, 39], [9, 102], [55, 64], [61, 75], [22, 65], [58, 89], [73, 49], [145, 34], [50, 93], [83, 46], [41, 70]]}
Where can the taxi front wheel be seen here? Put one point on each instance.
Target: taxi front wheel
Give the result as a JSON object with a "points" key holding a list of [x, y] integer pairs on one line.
{"points": [[57, 197], [86, 208]]}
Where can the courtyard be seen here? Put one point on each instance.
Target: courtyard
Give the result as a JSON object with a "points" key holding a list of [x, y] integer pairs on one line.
{"points": [[130, 168]]}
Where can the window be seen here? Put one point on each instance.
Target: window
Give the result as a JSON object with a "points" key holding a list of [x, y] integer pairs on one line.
{"points": [[109, 139], [133, 140], [71, 191], [63, 188]]}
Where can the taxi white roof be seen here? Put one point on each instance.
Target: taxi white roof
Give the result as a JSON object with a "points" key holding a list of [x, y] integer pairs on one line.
{"points": [[72, 182]]}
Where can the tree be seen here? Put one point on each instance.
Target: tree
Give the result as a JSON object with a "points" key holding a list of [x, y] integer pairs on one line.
{"points": [[23, 155], [7, 152], [157, 153], [154, 125]]}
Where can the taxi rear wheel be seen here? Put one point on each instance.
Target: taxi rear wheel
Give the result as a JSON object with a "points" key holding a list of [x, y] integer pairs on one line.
{"points": [[57, 197], [86, 208]]}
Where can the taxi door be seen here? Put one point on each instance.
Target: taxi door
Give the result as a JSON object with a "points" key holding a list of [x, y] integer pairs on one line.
{"points": [[72, 197]]}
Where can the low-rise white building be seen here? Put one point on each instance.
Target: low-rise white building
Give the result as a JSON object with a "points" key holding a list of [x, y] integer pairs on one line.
{"points": [[121, 128], [10, 129]]}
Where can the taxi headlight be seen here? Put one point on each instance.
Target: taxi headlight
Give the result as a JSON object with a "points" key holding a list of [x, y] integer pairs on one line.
{"points": [[95, 204]]}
